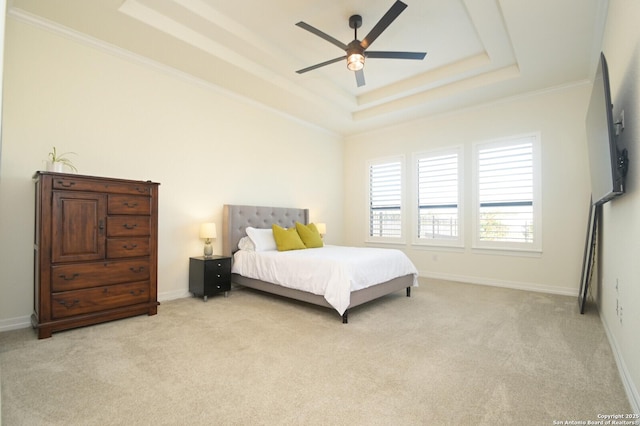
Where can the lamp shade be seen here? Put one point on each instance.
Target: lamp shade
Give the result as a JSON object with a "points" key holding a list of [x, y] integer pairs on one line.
{"points": [[322, 228], [208, 230]]}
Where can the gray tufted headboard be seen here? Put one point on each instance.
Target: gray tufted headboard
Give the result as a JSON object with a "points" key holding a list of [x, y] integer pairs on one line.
{"points": [[236, 218]]}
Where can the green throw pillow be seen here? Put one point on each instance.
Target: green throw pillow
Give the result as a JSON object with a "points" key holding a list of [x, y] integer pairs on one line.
{"points": [[287, 239], [309, 235]]}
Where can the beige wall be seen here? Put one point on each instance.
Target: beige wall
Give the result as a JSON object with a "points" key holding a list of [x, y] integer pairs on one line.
{"points": [[620, 242], [128, 120], [559, 117]]}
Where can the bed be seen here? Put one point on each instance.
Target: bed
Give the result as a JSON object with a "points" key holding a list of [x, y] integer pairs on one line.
{"points": [[236, 218]]}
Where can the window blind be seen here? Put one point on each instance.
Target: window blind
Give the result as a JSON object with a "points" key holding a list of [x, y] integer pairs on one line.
{"points": [[438, 213], [505, 192], [385, 200]]}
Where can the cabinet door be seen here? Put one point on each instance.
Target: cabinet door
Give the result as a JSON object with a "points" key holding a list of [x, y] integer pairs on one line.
{"points": [[78, 226]]}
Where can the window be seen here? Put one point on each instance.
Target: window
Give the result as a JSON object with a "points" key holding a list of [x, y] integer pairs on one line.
{"points": [[385, 200], [507, 213], [439, 208]]}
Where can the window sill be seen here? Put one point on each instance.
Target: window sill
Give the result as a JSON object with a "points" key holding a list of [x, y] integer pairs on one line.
{"points": [[400, 243], [535, 253], [438, 248]]}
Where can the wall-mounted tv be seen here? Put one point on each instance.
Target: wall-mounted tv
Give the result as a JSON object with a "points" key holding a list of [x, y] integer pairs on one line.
{"points": [[607, 164]]}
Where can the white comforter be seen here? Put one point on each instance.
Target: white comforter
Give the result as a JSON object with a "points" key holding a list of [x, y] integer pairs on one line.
{"points": [[330, 271]]}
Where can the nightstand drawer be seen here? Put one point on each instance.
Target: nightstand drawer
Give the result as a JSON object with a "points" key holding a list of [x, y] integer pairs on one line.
{"points": [[219, 271]]}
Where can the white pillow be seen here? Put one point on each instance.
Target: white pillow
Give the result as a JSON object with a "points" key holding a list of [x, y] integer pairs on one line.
{"points": [[262, 238], [245, 243]]}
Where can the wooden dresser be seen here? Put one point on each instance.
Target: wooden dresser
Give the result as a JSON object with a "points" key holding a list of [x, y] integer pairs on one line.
{"points": [[96, 250]]}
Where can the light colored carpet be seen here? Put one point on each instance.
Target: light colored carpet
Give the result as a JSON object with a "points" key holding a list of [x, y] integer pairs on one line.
{"points": [[452, 354]]}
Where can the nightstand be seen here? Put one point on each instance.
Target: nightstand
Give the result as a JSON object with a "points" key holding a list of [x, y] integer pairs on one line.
{"points": [[209, 275]]}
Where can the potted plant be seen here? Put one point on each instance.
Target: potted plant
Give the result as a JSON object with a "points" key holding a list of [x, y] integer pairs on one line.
{"points": [[57, 162]]}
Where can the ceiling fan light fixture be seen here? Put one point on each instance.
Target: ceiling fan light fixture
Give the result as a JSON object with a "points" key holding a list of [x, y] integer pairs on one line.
{"points": [[355, 61], [355, 56]]}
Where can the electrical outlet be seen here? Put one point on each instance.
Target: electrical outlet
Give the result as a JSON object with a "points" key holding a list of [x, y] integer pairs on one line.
{"points": [[619, 125], [620, 315], [618, 305]]}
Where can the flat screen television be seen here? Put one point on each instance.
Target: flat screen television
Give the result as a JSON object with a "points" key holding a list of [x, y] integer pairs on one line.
{"points": [[607, 164]]}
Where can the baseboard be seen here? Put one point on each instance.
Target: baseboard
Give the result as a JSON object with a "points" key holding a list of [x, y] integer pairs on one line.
{"points": [[25, 322], [15, 323], [630, 388], [516, 285], [172, 295]]}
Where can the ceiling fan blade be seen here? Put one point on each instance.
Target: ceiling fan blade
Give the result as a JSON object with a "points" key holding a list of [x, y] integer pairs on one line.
{"points": [[320, 34], [360, 78], [383, 23], [313, 67], [396, 55]]}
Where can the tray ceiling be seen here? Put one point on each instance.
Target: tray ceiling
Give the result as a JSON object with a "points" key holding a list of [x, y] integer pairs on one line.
{"points": [[478, 51]]}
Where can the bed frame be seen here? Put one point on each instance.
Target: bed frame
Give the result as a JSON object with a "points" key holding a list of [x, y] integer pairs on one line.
{"points": [[237, 218]]}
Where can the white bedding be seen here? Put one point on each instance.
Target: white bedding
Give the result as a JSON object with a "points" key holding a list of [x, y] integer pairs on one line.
{"points": [[330, 271]]}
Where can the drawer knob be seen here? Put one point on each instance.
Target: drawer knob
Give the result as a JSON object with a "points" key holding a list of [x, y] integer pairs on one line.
{"points": [[137, 270], [130, 205], [127, 226], [136, 293], [129, 247]]}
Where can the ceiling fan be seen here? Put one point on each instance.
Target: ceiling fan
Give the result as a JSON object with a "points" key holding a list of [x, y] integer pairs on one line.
{"points": [[356, 51]]}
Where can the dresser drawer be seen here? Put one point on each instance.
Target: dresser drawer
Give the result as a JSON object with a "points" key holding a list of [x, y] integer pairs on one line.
{"points": [[127, 247], [128, 204], [99, 185], [127, 226], [97, 299], [84, 275]]}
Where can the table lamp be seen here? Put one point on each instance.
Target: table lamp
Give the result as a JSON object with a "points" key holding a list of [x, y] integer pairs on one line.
{"points": [[322, 228], [207, 233]]}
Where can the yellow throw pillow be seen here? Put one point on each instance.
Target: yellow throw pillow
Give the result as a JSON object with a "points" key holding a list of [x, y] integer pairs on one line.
{"points": [[309, 235], [287, 239]]}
